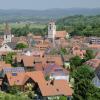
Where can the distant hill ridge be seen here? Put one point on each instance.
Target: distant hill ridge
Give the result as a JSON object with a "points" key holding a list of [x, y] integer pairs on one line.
{"points": [[15, 15], [50, 12]]}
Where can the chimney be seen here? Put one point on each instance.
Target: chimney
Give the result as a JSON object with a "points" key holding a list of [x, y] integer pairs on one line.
{"points": [[52, 81]]}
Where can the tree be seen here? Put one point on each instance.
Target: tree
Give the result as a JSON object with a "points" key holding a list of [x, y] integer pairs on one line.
{"points": [[9, 57], [62, 98], [93, 93], [31, 94], [83, 87], [63, 51], [83, 72], [80, 25], [89, 55], [75, 62], [14, 90], [21, 46]]}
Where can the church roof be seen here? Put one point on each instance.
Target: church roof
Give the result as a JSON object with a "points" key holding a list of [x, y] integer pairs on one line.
{"points": [[12, 45]]}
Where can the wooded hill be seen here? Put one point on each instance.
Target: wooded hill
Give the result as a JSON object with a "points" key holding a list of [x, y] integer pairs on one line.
{"points": [[80, 25]]}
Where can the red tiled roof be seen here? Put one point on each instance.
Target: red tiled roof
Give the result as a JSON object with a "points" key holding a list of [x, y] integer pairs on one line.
{"points": [[38, 67], [93, 63], [4, 65], [28, 61], [77, 51], [58, 87], [61, 34], [94, 46], [20, 78]]}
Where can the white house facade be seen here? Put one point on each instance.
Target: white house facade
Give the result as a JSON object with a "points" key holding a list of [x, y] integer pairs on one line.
{"points": [[5, 48]]}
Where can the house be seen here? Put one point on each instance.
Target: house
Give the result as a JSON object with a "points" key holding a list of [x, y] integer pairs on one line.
{"points": [[93, 40], [61, 35], [34, 52], [1, 40], [38, 67], [97, 55], [23, 39], [3, 65], [29, 61], [57, 59], [93, 63], [6, 70], [94, 46], [24, 61], [38, 53], [13, 70], [79, 39], [42, 46], [3, 55], [20, 79], [61, 43], [52, 71], [37, 38], [57, 88], [56, 72], [6, 48], [15, 39], [93, 43], [34, 39], [76, 51], [7, 44], [42, 88]]}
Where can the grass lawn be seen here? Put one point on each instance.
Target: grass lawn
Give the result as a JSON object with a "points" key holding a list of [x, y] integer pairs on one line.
{"points": [[21, 25]]}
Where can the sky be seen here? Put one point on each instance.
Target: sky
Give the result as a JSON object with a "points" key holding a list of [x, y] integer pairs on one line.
{"points": [[48, 4]]}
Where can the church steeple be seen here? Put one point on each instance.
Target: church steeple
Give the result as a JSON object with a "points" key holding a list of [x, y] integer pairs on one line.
{"points": [[7, 30], [7, 33]]}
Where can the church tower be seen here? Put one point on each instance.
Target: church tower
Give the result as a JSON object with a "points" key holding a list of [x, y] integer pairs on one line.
{"points": [[52, 31], [7, 34]]}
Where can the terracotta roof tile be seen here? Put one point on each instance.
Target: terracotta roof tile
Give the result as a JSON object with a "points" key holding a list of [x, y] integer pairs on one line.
{"points": [[61, 34], [4, 65], [58, 87], [94, 63]]}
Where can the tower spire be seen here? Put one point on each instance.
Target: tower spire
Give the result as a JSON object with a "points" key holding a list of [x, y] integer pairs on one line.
{"points": [[7, 30], [7, 33]]}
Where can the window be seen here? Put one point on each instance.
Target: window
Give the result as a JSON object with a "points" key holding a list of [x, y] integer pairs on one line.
{"points": [[50, 27], [5, 46], [6, 36]]}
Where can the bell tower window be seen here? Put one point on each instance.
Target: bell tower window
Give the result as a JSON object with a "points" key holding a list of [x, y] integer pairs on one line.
{"points": [[6, 36], [50, 27]]}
